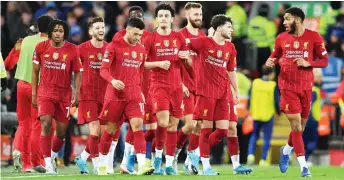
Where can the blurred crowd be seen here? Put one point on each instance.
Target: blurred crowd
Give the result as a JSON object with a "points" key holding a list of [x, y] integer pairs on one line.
{"points": [[255, 29]]}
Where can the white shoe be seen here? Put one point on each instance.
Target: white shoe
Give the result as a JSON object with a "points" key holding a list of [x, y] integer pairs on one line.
{"points": [[50, 170], [175, 165], [16, 160]]}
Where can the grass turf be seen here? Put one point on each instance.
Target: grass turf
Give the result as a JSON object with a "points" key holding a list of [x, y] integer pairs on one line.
{"points": [[72, 173]]}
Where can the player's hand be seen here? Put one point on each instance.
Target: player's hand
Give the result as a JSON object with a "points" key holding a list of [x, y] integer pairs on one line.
{"points": [[75, 100], [165, 65], [34, 101], [236, 98], [301, 62], [117, 84], [143, 98], [211, 32], [186, 91], [18, 44], [270, 62], [184, 54]]}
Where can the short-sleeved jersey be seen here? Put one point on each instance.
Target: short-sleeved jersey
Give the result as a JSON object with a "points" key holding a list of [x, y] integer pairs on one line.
{"points": [[124, 62], [310, 46], [56, 68], [161, 48], [215, 61], [92, 86]]}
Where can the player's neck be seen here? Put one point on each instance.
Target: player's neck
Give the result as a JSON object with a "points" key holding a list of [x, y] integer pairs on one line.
{"points": [[299, 31], [164, 31], [219, 39], [192, 30], [57, 45], [96, 43]]}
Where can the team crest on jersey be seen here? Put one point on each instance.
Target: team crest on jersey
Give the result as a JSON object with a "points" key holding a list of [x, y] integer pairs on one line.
{"points": [[105, 112], [64, 57], [134, 54], [305, 45], [287, 107], [100, 56], [205, 112], [147, 116], [296, 44], [174, 43], [166, 43], [219, 53], [55, 55], [227, 54]]}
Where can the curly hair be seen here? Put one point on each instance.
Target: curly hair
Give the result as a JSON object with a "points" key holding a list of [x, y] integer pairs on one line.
{"points": [[53, 24], [165, 6]]}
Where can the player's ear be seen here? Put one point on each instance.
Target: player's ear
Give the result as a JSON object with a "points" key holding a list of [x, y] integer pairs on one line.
{"points": [[90, 32], [172, 19]]}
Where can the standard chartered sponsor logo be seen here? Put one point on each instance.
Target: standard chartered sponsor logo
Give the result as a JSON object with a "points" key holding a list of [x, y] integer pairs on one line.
{"points": [[166, 52], [95, 65], [131, 63], [294, 54], [54, 65], [215, 61]]}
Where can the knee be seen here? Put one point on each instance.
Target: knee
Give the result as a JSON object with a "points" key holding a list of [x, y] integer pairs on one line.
{"points": [[296, 126], [111, 129], [163, 123], [172, 127], [136, 126], [232, 130], [189, 127], [46, 125]]}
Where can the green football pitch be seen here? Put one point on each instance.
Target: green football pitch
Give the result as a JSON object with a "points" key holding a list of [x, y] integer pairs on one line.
{"points": [[71, 172]]}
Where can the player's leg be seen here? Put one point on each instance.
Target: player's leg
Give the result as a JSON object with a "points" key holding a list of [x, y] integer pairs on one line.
{"points": [[267, 135], [111, 155], [135, 111], [36, 153], [150, 122], [22, 136], [257, 125], [161, 107], [233, 142], [171, 143], [112, 112], [193, 147], [128, 161]]}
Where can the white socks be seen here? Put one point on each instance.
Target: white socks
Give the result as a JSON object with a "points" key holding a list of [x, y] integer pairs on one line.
{"points": [[235, 161], [95, 162], [158, 153], [205, 163], [141, 159], [84, 155], [54, 155], [169, 160], [177, 153], [111, 155], [48, 163], [302, 162], [287, 149]]}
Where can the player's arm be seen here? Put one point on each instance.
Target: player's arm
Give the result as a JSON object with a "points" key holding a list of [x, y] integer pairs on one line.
{"points": [[108, 58], [77, 69], [320, 53], [35, 73], [12, 59], [276, 53], [232, 75], [196, 45]]}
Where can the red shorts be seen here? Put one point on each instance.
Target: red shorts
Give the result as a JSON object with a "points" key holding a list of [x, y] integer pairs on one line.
{"points": [[168, 99], [114, 111], [293, 102], [189, 104], [88, 111], [150, 117], [233, 114], [59, 110], [211, 109]]}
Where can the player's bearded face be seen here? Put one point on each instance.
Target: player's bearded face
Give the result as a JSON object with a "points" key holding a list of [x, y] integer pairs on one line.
{"points": [[289, 23], [136, 14], [227, 30], [135, 35], [195, 16], [97, 31], [58, 34], [164, 19]]}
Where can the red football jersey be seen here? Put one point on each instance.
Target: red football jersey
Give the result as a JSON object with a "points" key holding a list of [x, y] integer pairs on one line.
{"points": [[160, 48], [120, 34], [56, 68], [215, 61], [92, 86], [310, 46], [124, 62], [189, 73]]}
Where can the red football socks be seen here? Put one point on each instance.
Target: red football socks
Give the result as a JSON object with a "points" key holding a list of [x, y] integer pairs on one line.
{"points": [[171, 143], [105, 143], [298, 143], [233, 145], [216, 137], [130, 137], [46, 145], [160, 137], [57, 144], [194, 142], [139, 142], [93, 146], [204, 142], [149, 135], [182, 138]]}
